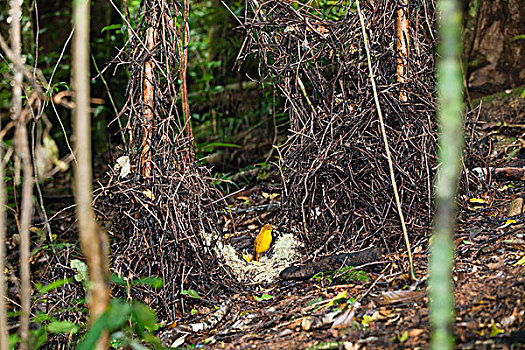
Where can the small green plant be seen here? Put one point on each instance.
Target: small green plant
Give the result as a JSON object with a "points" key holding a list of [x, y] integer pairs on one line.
{"points": [[222, 182], [152, 281], [335, 10], [44, 323], [345, 274], [263, 297], [130, 324], [322, 276], [349, 273], [191, 293], [263, 173]]}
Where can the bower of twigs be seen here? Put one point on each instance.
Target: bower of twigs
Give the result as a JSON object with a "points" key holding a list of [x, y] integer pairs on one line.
{"points": [[337, 192], [336, 182], [164, 213]]}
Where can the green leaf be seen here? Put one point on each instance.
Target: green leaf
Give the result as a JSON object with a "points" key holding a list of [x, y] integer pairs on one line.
{"points": [[338, 297], [53, 285], [62, 327], [143, 316], [111, 27], [520, 262], [115, 342], [403, 337], [316, 300], [153, 340], [38, 337], [41, 317], [193, 311], [349, 273], [494, 331], [93, 334], [217, 89], [117, 314], [318, 276], [209, 147], [13, 340], [153, 281], [119, 281], [191, 293], [223, 144], [263, 297], [82, 270], [518, 37], [207, 77]]}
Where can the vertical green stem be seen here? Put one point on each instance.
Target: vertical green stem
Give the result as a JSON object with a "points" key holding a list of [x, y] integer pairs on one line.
{"points": [[450, 112]]}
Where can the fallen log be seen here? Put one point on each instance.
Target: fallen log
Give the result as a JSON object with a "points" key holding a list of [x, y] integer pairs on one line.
{"points": [[503, 173], [332, 263]]}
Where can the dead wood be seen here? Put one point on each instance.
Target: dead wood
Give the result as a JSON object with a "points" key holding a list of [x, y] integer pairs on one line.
{"points": [[510, 173], [402, 46], [332, 263]]}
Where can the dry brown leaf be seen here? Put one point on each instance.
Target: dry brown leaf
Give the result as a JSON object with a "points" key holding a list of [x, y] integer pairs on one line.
{"points": [[384, 311], [515, 207], [306, 323], [399, 296], [346, 318], [317, 321], [415, 332], [284, 332], [496, 266]]}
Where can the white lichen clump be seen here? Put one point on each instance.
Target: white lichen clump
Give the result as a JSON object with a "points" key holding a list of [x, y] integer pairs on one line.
{"points": [[270, 265]]}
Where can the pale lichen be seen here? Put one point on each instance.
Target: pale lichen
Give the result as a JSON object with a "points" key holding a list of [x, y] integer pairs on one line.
{"points": [[284, 253]]}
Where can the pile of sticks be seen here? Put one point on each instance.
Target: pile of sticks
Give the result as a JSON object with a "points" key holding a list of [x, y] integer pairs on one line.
{"points": [[161, 205], [336, 180]]}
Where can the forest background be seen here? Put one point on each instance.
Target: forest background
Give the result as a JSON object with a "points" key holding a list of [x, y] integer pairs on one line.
{"points": [[235, 121]]}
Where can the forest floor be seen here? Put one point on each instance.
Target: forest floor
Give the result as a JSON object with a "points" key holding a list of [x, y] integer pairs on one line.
{"points": [[381, 307], [391, 311]]}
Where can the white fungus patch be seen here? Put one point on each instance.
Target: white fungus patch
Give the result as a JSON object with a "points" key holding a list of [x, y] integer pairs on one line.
{"points": [[267, 269]]}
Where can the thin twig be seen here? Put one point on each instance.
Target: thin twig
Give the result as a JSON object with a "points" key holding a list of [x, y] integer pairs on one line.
{"points": [[385, 140]]}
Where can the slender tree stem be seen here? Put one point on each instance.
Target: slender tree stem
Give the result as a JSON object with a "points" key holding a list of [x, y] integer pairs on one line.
{"points": [[184, 87], [23, 153], [387, 147], [3, 225], [93, 240], [450, 115]]}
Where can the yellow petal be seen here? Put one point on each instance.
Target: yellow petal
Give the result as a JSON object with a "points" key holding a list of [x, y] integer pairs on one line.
{"points": [[148, 194], [476, 200]]}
